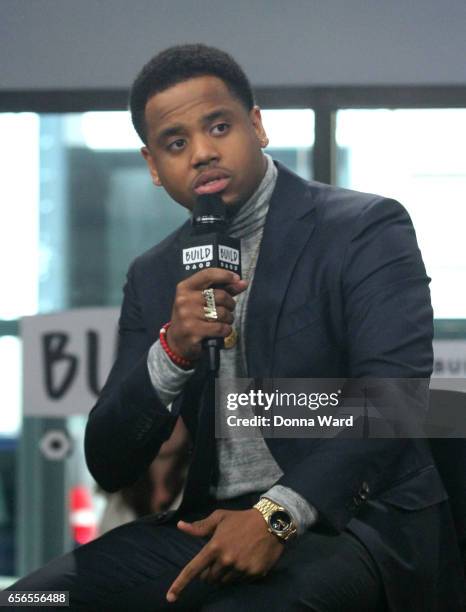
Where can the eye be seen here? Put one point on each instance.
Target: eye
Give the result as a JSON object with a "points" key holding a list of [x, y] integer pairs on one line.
{"points": [[176, 145], [220, 129]]}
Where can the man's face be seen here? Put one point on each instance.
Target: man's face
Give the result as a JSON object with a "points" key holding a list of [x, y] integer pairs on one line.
{"points": [[201, 139]]}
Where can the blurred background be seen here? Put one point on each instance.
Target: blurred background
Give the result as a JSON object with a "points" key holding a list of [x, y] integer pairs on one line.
{"points": [[365, 95]]}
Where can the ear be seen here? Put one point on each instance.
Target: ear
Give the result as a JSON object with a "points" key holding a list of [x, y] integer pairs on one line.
{"points": [[256, 119], [151, 165]]}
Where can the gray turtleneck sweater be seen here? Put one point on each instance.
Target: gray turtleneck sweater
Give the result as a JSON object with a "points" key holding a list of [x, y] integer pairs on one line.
{"points": [[245, 465]]}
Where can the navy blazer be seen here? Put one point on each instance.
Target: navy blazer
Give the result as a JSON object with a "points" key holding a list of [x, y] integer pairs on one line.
{"points": [[340, 290]]}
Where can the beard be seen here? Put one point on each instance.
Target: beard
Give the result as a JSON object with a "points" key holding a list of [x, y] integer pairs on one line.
{"points": [[231, 210]]}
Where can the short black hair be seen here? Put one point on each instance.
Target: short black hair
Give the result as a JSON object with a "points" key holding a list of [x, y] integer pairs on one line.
{"points": [[180, 63]]}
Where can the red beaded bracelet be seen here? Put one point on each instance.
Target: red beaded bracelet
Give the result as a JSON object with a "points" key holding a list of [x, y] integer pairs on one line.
{"points": [[177, 359]]}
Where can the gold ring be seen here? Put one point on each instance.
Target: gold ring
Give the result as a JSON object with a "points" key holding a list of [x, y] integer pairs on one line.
{"points": [[210, 309]]}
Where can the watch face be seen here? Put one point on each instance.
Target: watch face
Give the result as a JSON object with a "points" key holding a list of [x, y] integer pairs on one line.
{"points": [[279, 521]]}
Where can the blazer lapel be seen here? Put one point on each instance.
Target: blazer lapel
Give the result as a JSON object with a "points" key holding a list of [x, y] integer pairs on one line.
{"points": [[289, 225]]}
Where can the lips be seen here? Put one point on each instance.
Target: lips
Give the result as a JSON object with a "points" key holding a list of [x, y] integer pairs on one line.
{"points": [[211, 181]]}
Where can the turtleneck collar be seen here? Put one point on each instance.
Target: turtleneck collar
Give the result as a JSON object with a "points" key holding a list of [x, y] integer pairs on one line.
{"points": [[251, 216]]}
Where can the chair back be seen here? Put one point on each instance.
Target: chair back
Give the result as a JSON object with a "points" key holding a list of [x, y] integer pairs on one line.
{"points": [[450, 457]]}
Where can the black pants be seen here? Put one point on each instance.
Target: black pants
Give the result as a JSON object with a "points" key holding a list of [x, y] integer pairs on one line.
{"points": [[131, 567]]}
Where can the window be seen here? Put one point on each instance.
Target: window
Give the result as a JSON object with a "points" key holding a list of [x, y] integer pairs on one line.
{"points": [[417, 157]]}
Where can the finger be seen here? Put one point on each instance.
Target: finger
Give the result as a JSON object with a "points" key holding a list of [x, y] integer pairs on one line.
{"points": [[211, 276], [223, 298], [205, 329], [216, 571], [194, 568], [252, 577], [200, 528], [223, 315], [231, 575], [237, 288], [213, 330]]}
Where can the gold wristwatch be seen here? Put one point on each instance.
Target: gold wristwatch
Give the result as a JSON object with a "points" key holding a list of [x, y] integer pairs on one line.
{"points": [[279, 521]]}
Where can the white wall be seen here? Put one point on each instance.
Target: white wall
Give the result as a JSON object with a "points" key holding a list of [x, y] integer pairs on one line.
{"points": [[103, 43]]}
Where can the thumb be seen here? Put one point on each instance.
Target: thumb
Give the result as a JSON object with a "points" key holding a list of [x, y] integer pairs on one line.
{"points": [[204, 527]]}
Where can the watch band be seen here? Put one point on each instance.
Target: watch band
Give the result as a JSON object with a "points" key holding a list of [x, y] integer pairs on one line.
{"points": [[268, 509]]}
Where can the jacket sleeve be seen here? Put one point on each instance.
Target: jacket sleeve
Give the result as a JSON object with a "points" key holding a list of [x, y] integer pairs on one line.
{"points": [[388, 335], [129, 423]]}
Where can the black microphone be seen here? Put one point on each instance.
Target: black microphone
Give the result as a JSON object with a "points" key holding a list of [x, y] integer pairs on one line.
{"points": [[209, 246]]}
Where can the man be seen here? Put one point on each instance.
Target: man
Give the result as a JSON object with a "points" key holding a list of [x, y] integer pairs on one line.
{"points": [[334, 287]]}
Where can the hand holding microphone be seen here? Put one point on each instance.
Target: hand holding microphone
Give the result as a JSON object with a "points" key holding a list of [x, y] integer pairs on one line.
{"points": [[218, 257], [189, 326]]}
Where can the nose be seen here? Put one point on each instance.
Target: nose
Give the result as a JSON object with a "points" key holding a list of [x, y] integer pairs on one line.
{"points": [[204, 150]]}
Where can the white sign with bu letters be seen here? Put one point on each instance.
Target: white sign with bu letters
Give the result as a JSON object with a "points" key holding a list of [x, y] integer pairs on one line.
{"points": [[66, 359], [449, 365]]}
